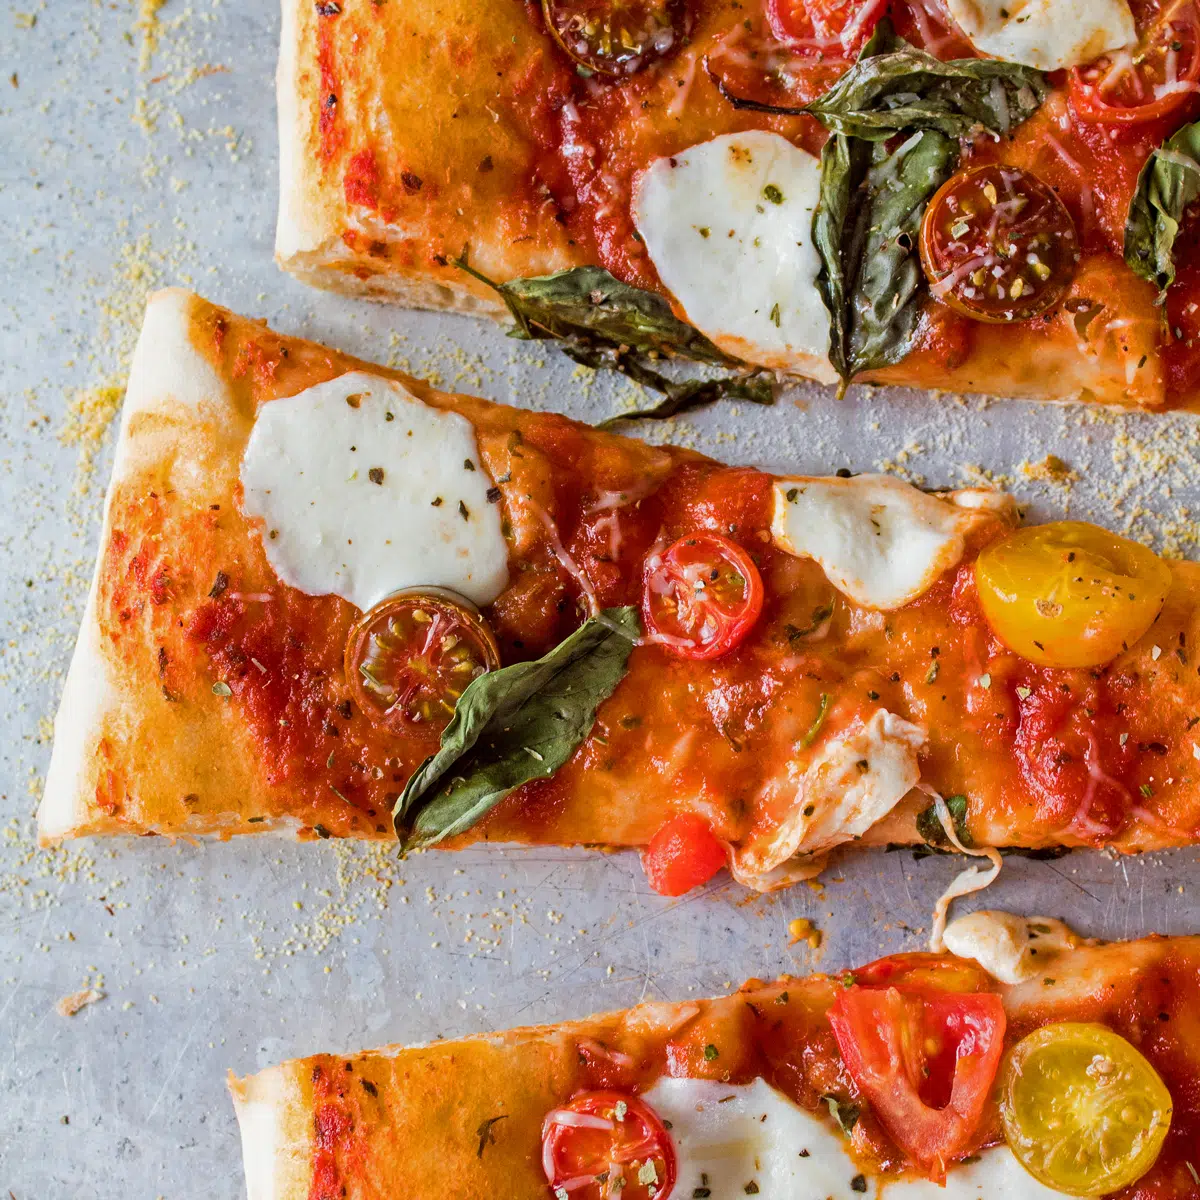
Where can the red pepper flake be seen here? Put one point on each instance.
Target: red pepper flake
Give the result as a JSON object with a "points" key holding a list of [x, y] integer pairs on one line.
{"points": [[412, 182]]}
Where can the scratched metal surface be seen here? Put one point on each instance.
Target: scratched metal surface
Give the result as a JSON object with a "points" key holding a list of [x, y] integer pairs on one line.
{"points": [[124, 164]]}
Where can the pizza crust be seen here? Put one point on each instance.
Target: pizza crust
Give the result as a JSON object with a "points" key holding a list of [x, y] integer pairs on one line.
{"points": [[276, 1136]]}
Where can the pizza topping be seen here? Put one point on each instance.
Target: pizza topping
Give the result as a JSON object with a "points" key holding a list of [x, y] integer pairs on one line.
{"points": [[880, 541], [617, 37], [1083, 1110], [1047, 34], [682, 855], [851, 782], [998, 245], [1010, 948], [1168, 184], [702, 596], [925, 1060], [1070, 594], [607, 1144], [705, 215], [328, 527], [410, 658], [1147, 80], [515, 724], [825, 27]]}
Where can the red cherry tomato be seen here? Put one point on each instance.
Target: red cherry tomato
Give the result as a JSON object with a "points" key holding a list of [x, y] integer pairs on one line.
{"points": [[997, 244], [924, 973], [838, 27], [1130, 87], [925, 1060], [411, 656], [682, 855], [602, 1138], [617, 37], [703, 595]]}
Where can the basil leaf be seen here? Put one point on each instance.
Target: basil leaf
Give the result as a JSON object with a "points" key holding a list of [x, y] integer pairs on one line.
{"points": [[868, 218], [1168, 183], [867, 228], [907, 89], [894, 87], [929, 827], [519, 723], [606, 324]]}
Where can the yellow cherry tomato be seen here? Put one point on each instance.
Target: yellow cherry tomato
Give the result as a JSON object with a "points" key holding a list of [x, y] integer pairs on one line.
{"points": [[1083, 1110], [1069, 594]]}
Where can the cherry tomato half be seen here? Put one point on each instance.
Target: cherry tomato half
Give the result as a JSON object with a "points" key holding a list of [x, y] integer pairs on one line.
{"points": [[1069, 594], [411, 656], [925, 1061], [682, 855], [1153, 80], [997, 244], [617, 37], [607, 1144], [703, 595], [812, 24]]}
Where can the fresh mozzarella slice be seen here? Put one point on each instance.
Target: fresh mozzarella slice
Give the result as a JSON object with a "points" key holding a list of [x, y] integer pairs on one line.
{"points": [[1010, 948], [1047, 34], [854, 780], [881, 541], [728, 225], [361, 490], [738, 1135]]}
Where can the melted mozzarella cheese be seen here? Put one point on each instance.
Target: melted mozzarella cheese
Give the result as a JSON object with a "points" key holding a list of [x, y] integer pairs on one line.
{"points": [[728, 225], [881, 541], [738, 1135], [854, 780], [363, 490], [1047, 34], [1010, 948]]}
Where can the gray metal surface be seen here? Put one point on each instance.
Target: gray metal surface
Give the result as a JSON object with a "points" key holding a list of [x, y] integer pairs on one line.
{"points": [[136, 152]]}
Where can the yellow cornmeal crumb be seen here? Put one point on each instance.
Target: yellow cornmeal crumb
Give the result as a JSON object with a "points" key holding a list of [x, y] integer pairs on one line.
{"points": [[1051, 469], [150, 28], [801, 929]]}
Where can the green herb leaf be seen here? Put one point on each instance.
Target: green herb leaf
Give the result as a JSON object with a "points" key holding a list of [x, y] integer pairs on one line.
{"points": [[867, 228], [929, 827], [868, 219], [894, 88], [519, 723], [605, 324], [815, 728], [1168, 183], [487, 1135], [843, 1112]]}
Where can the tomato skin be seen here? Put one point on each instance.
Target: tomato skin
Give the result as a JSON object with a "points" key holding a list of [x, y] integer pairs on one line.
{"points": [[925, 1060], [690, 603], [850, 21], [682, 855], [924, 973], [1167, 36], [573, 1151]]}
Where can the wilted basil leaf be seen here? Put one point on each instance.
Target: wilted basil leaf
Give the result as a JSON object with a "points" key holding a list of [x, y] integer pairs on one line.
{"points": [[606, 324], [1168, 183], [929, 826], [868, 219], [894, 87], [867, 226], [519, 723]]}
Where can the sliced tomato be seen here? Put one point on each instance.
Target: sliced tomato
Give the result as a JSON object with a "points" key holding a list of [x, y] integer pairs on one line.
{"points": [[703, 595], [831, 27], [1130, 87], [617, 37], [922, 973], [925, 1060], [997, 244], [608, 1144], [411, 656], [682, 855]]}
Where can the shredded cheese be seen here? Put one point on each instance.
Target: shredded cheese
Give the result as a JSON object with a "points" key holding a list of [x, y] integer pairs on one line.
{"points": [[973, 879]]}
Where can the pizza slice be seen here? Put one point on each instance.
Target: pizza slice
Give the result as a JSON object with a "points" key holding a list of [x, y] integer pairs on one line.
{"points": [[959, 194], [334, 601], [1024, 1066]]}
